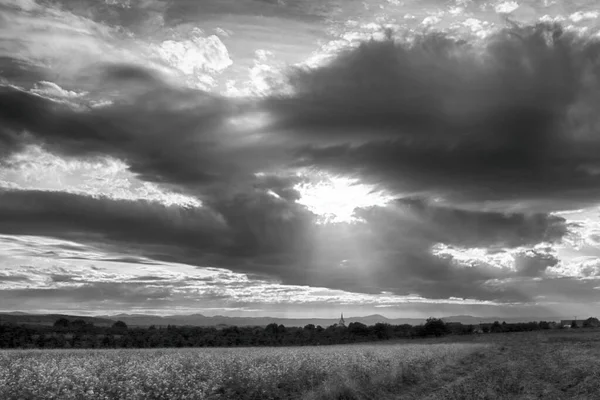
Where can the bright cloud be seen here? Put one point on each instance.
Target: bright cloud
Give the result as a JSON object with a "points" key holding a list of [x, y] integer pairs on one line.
{"points": [[506, 7], [198, 57], [36, 169]]}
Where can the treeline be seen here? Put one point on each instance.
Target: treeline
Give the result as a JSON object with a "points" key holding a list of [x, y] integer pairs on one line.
{"points": [[79, 334]]}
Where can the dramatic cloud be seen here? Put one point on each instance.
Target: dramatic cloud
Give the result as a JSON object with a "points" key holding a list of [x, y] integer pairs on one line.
{"points": [[314, 152], [477, 229], [454, 119], [265, 235], [393, 250], [436, 116], [72, 216], [162, 133]]}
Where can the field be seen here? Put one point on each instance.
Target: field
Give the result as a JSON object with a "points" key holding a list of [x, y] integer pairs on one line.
{"points": [[548, 365]]}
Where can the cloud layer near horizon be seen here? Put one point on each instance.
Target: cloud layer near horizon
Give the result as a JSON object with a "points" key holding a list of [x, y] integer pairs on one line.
{"points": [[478, 141]]}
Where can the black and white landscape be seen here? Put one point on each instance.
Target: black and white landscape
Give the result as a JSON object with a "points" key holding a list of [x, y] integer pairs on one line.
{"points": [[299, 159], [291, 180]]}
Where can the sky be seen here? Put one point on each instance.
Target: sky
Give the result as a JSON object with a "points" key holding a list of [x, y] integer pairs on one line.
{"points": [[300, 158]]}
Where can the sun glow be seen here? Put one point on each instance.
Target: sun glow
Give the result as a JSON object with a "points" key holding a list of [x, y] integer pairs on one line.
{"points": [[334, 199]]}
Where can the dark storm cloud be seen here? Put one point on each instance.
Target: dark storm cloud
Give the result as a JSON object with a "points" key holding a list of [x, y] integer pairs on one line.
{"points": [[20, 72], [469, 228], [61, 278], [164, 133], [534, 264], [512, 120], [227, 233], [67, 215]]}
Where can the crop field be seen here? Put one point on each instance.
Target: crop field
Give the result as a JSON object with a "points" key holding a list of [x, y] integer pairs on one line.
{"points": [[248, 373], [512, 366]]}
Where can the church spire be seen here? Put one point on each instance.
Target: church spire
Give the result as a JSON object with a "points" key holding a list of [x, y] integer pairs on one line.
{"points": [[342, 322]]}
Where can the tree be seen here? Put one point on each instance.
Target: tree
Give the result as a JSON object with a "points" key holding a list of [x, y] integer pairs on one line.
{"points": [[496, 327], [382, 330], [358, 329], [281, 331], [435, 326], [591, 323], [78, 324], [120, 325], [62, 323], [271, 329]]}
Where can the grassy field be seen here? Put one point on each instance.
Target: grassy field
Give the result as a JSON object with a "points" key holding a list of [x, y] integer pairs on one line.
{"points": [[548, 365]]}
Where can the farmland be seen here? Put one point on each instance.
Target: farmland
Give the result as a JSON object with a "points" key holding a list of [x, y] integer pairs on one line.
{"points": [[550, 365]]}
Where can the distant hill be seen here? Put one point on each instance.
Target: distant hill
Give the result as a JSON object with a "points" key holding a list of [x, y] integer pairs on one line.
{"points": [[49, 319], [197, 320], [222, 321], [202, 320]]}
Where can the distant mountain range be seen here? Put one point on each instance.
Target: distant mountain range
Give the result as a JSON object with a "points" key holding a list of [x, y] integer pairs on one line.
{"points": [[202, 320], [49, 319]]}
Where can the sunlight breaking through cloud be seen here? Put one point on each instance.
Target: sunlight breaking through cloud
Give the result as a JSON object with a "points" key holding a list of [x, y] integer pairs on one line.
{"points": [[334, 198]]}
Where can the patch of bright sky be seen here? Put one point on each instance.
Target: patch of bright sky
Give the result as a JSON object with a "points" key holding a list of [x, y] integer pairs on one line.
{"points": [[250, 121], [334, 198], [265, 76], [473, 257], [197, 57], [506, 258], [578, 252], [506, 7], [36, 169], [198, 52]]}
